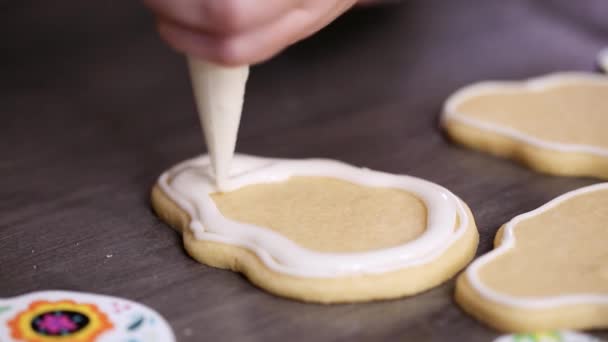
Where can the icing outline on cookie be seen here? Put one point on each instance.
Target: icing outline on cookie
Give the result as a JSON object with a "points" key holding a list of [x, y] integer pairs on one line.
{"points": [[538, 84], [508, 242], [285, 256]]}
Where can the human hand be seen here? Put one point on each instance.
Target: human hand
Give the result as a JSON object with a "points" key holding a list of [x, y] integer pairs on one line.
{"points": [[238, 32]]}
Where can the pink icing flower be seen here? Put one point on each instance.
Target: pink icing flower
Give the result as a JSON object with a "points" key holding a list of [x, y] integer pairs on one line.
{"points": [[56, 323]]}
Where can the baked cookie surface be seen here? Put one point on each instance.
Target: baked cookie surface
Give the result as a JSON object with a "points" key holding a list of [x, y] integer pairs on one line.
{"points": [[319, 230], [549, 268], [554, 124]]}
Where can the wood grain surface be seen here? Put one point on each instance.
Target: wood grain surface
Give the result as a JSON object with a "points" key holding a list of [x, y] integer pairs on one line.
{"points": [[94, 107]]}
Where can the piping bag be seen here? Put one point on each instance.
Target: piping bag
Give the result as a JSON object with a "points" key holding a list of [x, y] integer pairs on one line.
{"points": [[219, 92]]}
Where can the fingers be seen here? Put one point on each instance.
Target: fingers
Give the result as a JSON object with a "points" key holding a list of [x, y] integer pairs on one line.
{"points": [[249, 47], [327, 15], [257, 43], [220, 16]]}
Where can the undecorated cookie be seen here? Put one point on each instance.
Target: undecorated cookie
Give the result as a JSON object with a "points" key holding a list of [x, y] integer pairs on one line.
{"points": [[549, 268], [319, 230], [554, 124]]}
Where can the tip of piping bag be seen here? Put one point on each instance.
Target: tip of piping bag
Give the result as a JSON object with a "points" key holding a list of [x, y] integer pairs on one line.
{"points": [[221, 185]]}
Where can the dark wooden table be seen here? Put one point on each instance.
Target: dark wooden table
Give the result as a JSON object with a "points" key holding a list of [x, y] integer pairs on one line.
{"points": [[94, 107]]}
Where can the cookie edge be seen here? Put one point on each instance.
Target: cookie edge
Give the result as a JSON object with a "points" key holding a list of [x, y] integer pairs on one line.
{"points": [[521, 320]]}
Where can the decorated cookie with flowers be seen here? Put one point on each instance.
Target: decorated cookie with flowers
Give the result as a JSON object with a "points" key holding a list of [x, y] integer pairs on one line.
{"points": [[53, 316], [552, 336]]}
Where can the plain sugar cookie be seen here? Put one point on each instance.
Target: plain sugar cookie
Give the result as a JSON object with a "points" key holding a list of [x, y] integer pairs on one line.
{"points": [[554, 124], [549, 268], [319, 230]]}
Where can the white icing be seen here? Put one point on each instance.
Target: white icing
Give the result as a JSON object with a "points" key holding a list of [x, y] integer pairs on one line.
{"points": [[602, 59], [540, 84], [219, 92], [188, 184], [508, 242]]}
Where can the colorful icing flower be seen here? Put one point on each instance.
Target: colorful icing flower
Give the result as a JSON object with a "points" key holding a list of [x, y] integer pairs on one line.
{"points": [[64, 320], [538, 337]]}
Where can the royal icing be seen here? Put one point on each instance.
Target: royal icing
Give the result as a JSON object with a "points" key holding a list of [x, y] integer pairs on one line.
{"points": [[508, 242], [189, 186], [219, 92], [450, 111]]}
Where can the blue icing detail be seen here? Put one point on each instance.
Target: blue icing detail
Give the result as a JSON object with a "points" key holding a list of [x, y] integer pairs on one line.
{"points": [[136, 324]]}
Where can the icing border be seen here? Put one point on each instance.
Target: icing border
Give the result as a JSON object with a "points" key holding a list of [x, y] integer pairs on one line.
{"points": [[508, 242], [537, 84], [283, 259]]}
